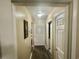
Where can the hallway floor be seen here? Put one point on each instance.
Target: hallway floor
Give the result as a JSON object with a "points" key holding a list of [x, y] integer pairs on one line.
{"points": [[40, 52]]}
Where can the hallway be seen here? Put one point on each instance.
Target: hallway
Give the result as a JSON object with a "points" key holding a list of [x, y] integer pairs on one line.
{"points": [[39, 29], [35, 29], [40, 52]]}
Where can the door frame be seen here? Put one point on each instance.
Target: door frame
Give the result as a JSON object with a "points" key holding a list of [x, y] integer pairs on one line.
{"points": [[49, 32], [59, 14], [68, 30]]}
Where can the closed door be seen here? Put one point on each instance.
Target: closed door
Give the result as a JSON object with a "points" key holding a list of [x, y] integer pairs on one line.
{"points": [[60, 36]]}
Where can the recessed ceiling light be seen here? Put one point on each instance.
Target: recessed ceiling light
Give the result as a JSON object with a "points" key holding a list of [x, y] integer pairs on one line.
{"points": [[40, 14]]}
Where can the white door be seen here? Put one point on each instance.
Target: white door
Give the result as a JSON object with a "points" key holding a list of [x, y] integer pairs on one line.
{"points": [[60, 35]]}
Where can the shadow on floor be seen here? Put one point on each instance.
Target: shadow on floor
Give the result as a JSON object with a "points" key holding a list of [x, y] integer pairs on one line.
{"points": [[40, 52]]}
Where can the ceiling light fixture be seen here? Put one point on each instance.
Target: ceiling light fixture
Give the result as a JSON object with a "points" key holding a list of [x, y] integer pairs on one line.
{"points": [[40, 14]]}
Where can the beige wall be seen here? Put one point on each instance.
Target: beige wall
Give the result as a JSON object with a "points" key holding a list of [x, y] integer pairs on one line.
{"points": [[23, 45], [77, 42], [7, 34]]}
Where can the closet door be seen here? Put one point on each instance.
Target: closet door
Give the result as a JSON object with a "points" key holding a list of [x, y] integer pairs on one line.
{"points": [[60, 36]]}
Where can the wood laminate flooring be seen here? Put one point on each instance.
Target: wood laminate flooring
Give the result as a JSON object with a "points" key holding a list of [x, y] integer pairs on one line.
{"points": [[40, 52]]}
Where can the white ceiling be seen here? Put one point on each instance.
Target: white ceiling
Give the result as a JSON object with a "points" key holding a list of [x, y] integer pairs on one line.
{"points": [[35, 10]]}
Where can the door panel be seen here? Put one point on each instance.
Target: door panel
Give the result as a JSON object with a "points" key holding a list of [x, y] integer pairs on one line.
{"points": [[60, 36]]}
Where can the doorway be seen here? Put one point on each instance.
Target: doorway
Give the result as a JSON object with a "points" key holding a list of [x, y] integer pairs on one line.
{"points": [[60, 29], [50, 36], [56, 33]]}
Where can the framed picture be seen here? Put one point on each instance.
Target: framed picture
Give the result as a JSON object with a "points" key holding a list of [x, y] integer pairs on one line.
{"points": [[25, 29]]}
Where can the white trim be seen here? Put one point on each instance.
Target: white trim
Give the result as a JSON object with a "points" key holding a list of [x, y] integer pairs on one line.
{"points": [[31, 56], [14, 28], [60, 51], [74, 29]]}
